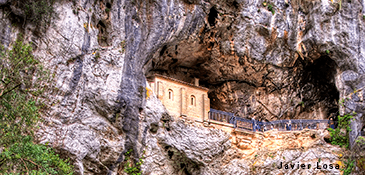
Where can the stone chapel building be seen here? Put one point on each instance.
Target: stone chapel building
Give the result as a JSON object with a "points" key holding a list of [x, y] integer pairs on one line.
{"points": [[181, 98]]}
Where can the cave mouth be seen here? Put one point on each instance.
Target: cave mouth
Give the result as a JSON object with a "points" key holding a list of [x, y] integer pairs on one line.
{"points": [[317, 85]]}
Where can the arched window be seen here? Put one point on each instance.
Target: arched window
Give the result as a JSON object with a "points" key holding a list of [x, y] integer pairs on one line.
{"points": [[171, 95], [192, 100]]}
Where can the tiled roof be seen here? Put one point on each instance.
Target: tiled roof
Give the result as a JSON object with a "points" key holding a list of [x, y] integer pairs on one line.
{"points": [[179, 81]]}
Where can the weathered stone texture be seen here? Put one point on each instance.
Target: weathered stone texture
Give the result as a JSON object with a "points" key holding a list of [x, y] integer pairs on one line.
{"points": [[255, 61]]}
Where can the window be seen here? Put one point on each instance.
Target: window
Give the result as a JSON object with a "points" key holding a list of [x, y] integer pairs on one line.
{"points": [[192, 100], [171, 95]]}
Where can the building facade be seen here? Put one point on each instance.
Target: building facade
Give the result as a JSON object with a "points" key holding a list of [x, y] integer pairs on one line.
{"points": [[181, 98]]}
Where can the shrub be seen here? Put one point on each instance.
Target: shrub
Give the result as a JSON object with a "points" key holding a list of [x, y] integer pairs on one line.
{"points": [[123, 44], [132, 168], [271, 8], [39, 12], [338, 137], [349, 165], [22, 81]]}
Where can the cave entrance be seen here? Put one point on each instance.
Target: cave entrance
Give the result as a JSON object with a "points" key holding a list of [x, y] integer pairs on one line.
{"points": [[318, 87]]}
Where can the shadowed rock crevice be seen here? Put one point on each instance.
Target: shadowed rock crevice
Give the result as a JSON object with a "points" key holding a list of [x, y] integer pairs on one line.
{"points": [[213, 14], [103, 35], [182, 164], [318, 88]]}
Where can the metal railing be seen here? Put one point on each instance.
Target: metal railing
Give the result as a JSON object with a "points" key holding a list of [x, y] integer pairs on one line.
{"points": [[280, 125], [221, 116]]}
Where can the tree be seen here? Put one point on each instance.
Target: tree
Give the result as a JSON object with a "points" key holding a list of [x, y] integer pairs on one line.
{"points": [[22, 81]]}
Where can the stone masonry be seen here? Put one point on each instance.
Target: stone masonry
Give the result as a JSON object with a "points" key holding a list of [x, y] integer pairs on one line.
{"points": [[181, 98]]}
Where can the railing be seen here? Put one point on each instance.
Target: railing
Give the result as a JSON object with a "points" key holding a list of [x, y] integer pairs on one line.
{"points": [[221, 116], [280, 125]]}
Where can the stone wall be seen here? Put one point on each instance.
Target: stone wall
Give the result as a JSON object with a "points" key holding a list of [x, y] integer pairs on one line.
{"points": [[181, 102]]}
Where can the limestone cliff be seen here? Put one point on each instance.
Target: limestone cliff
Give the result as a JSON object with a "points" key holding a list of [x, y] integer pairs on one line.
{"points": [[271, 59]]}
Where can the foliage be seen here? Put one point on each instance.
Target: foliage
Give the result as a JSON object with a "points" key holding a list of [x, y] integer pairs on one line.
{"points": [[272, 11], [130, 168], [122, 44], [27, 157], [327, 52], [97, 55], [270, 7], [301, 103], [361, 163], [349, 165], [341, 102], [360, 140], [338, 137], [107, 10], [39, 12], [22, 82]]}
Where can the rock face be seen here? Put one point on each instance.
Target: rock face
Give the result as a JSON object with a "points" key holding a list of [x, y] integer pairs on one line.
{"points": [[184, 147], [278, 59], [283, 63]]}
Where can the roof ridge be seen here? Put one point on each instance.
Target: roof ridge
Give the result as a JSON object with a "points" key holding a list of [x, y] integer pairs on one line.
{"points": [[180, 81]]}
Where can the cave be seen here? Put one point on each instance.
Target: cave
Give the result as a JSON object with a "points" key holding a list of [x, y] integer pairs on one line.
{"points": [[317, 86], [313, 82], [307, 88]]}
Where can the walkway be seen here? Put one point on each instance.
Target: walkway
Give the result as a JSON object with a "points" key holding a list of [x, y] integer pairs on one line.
{"points": [[254, 125]]}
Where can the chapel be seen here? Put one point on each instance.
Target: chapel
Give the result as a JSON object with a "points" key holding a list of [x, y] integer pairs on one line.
{"points": [[181, 98]]}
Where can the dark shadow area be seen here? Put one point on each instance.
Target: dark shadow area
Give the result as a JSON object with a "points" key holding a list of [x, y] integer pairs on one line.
{"points": [[103, 34], [213, 14], [317, 83]]}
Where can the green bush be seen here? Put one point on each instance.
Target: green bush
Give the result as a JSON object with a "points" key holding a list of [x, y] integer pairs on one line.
{"points": [[22, 81], [39, 12], [131, 168], [271, 8], [349, 165], [337, 136]]}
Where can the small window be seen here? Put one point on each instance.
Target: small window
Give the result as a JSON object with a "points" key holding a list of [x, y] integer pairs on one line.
{"points": [[192, 100], [171, 94]]}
